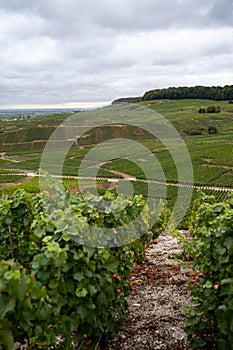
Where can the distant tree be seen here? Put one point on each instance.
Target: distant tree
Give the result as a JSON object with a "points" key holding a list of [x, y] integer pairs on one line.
{"points": [[228, 92], [201, 109], [127, 100], [216, 93]]}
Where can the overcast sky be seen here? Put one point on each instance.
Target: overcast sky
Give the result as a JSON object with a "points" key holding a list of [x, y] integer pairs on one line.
{"points": [[72, 51]]}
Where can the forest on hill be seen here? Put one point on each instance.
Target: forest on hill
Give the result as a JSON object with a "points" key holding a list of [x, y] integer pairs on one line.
{"points": [[216, 93]]}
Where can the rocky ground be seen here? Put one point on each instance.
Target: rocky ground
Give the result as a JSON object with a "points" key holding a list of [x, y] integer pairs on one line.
{"points": [[155, 317]]}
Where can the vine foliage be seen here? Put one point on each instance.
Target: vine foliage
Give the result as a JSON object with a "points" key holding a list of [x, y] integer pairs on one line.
{"points": [[210, 318], [52, 287]]}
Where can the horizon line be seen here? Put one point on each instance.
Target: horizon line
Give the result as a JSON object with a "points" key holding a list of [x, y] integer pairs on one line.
{"points": [[70, 105]]}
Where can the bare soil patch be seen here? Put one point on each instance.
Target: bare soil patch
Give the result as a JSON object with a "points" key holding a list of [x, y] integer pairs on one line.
{"points": [[14, 183], [218, 166]]}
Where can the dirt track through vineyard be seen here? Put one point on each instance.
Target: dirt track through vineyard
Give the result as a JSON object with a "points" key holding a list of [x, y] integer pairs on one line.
{"points": [[155, 317]]}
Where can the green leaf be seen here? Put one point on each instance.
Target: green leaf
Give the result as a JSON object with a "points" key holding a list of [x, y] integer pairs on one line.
{"points": [[78, 255], [228, 242], [40, 231], [39, 260], [222, 307], [43, 275], [70, 285], [8, 275], [47, 239], [111, 265], [26, 220], [65, 237], [78, 276], [45, 312], [81, 292], [6, 304], [208, 285], [83, 312], [92, 290], [221, 250], [102, 299], [53, 284], [8, 220], [6, 338], [227, 281], [89, 251], [195, 303]]}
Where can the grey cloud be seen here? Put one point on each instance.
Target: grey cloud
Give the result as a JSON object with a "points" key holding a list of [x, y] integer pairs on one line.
{"points": [[134, 15], [16, 6], [137, 15], [69, 50], [222, 12]]}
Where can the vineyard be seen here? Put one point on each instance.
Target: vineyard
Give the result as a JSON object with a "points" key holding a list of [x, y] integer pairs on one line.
{"points": [[56, 291], [49, 284], [220, 195], [10, 178], [211, 154], [63, 281]]}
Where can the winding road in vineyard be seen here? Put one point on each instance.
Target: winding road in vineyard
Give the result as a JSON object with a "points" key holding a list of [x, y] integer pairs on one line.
{"points": [[125, 177]]}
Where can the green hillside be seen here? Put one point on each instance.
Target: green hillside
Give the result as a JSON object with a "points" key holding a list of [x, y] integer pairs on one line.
{"points": [[208, 137], [211, 153]]}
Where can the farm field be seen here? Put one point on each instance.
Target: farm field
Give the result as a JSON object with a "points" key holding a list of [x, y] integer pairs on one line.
{"points": [[22, 143]]}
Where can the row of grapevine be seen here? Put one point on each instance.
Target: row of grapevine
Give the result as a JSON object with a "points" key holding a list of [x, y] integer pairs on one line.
{"points": [[53, 285], [218, 195], [209, 321], [5, 178]]}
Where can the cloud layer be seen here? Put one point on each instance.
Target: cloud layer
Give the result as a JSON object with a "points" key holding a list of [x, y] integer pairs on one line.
{"points": [[60, 51]]}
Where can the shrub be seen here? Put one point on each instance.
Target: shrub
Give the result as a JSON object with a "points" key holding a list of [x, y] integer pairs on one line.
{"points": [[212, 129], [195, 132], [212, 109], [201, 110]]}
